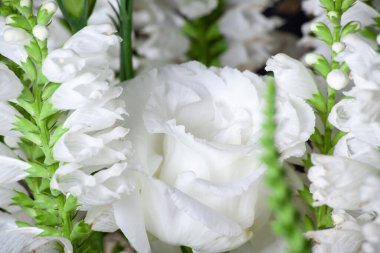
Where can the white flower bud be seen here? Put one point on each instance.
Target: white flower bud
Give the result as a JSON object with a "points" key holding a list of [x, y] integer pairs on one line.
{"points": [[337, 79], [15, 35], [332, 14], [9, 19], [315, 27], [378, 39], [25, 3], [50, 7], [40, 32], [312, 58], [338, 47]]}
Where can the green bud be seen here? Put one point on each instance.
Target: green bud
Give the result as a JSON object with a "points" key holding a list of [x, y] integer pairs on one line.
{"points": [[327, 4], [26, 7], [46, 12], [351, 27], [322, 31], [347, 4], [319, 62], [334, 17]]}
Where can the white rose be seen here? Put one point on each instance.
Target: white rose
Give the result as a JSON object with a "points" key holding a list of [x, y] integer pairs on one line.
{"points": [[195, 132]]}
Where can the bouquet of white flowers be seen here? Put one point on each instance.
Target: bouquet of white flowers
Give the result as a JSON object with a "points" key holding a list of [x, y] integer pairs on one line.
{"points": [[140, 126]]}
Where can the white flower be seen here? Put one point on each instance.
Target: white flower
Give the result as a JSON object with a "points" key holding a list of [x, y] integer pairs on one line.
{"points": [[158, 37], [292, 76], [344, 238], [195, 133], [12, 170], [359, 116], [362, 58], [14, 239], [353, 148], [195, 8], [10, 85], [14, 51], [336, 181], [10, 89], [247, 32]]}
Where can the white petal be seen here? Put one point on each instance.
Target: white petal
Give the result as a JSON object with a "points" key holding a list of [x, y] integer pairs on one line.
{"points": [[10, 85], [129, 218], [12, 170], [292, 76]]}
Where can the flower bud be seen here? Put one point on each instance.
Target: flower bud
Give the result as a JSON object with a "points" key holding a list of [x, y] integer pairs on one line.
{"points": [[15, 35], [50, 7], [322, 31], [25, 3], [333, 17], [40, 32], [319, 62], [337, 79], [9, 19], [46, 12], [338, 47], [312, 58], [351, 27]]}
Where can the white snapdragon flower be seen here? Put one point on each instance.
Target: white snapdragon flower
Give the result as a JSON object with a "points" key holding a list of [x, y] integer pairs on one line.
{"points": [[12, 42], [248, 33], [360, 11], [158, 38], [336, 181], [345, 237], [195, 132], [292, 76], [12, 170], [195, 8], [15, 240], [10, 89], [359, 114]]}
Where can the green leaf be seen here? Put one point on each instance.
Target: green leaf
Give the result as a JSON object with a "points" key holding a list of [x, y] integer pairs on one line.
{"points": [[23, 200], [327, 4], [43, 201], [34, 51], [49, 90], [80, 230], [71, 204], [49, 231], [346, 4], [318, 102], [38, 171], [58, 132], [25, 126], [48, 218], [22, 224], [47, 110]]}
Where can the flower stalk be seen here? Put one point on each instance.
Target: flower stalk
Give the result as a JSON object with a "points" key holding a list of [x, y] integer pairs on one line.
{"points": [[287, 223]]}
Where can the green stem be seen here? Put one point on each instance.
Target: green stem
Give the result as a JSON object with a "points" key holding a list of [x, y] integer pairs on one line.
{"points": [[185, 249], [126, 64]]}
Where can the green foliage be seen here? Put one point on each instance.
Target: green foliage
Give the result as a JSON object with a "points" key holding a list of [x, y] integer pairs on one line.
{"points": [[207, 44], [287, 222], [76, 12]]}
